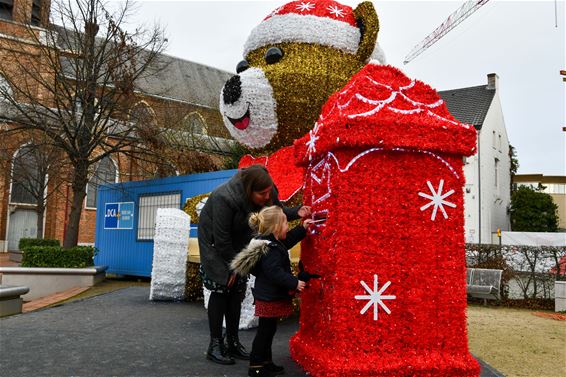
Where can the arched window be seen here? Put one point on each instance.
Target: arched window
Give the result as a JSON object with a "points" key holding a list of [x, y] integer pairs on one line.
{"points": [[142, 114], [195, 124], [104, 173], [27, 181], [5, 88], [36, 12]]}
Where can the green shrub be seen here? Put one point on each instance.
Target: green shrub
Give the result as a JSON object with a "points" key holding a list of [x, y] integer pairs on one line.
{"points": [[55, 256], [28, 242]]}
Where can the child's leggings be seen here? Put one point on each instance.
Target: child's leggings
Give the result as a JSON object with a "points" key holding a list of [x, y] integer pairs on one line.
{"points": [[261, 347]]}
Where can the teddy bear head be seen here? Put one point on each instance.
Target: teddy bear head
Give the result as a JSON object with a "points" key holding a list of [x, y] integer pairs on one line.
{"points": [[293, 61]]}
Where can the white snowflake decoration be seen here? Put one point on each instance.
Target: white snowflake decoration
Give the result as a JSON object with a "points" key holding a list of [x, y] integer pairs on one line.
{"points": [[437, 199], [375, 297], [336, 11], [311, 144], [305, 6]]}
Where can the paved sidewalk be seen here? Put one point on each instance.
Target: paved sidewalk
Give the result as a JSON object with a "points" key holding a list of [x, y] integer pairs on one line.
{"points": [[6, 262], [52, 299], [124, 334]]}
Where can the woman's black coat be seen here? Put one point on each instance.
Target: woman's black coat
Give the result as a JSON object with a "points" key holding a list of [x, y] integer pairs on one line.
{"points": [[223, 227]]}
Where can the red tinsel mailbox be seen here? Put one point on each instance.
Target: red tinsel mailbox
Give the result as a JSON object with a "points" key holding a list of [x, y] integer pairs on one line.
{"points": [[385, 181]]}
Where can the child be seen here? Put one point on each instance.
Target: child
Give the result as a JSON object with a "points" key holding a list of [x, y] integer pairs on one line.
{"points": [[267, 258]]}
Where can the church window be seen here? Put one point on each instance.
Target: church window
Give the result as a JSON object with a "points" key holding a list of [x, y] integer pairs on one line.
{"points": [[27, 183], [6, 7], [105, 172]]}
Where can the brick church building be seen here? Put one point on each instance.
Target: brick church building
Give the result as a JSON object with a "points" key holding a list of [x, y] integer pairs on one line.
{"points": [[190, 88]]}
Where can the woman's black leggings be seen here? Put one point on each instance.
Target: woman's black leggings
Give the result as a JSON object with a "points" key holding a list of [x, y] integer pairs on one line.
{"points": [[261, 347], [222, 305]]}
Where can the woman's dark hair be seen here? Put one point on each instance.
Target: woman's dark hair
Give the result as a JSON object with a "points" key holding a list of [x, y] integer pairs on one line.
{"points": [[255, 178]]}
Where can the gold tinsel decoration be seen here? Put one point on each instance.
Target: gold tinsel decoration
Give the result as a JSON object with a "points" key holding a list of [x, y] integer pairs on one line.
{"points": [[191, 206], [302, 81], [193, 285]]}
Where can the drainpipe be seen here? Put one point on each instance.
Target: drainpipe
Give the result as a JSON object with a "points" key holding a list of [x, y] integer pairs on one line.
{"points": [[478, 128]]}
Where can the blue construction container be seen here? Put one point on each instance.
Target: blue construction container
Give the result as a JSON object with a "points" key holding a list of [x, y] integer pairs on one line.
{"points": [[125, 217]]}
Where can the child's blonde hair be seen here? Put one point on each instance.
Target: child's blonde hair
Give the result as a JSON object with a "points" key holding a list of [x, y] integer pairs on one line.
{"points": [[268, 220]]}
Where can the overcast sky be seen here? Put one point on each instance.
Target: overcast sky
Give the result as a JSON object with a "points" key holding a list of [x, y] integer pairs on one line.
{"points": [[517, 40]]}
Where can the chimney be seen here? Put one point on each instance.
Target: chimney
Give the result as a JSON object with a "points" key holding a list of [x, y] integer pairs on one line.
{"points": [[492, 81]]}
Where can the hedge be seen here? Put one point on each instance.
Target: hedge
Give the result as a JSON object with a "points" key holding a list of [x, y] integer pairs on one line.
{"points": [[28, 242], [56, 256]]}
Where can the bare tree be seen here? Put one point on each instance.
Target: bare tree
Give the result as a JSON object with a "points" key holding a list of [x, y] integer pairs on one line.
{"points": [[35, 172], [75, 82]]}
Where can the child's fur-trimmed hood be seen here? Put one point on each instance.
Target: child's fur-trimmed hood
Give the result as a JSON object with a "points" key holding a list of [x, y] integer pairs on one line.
{"points": [[246, 260]]}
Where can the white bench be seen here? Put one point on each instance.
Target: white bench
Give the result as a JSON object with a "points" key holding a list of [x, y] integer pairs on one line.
{"points": [[10, 300], [483, 283]]}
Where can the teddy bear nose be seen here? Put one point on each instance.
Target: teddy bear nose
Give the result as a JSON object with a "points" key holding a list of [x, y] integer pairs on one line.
{"points": [[232, 90]]}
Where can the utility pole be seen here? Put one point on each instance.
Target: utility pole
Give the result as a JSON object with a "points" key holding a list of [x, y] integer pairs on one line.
{"points": [[563, 73]]}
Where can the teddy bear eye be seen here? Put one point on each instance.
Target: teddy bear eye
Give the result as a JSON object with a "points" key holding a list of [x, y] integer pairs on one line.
{"points": [[242, 66], [273, 55]]}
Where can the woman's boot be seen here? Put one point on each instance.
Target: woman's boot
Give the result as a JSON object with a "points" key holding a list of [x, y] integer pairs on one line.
{"points": [[236, 349], [217, 353]]}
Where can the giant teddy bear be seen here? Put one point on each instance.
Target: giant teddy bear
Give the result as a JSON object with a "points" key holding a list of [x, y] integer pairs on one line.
{"points": [[293, 61], [379, 158]]}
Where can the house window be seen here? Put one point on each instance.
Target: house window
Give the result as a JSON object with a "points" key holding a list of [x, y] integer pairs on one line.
{"points": [[6, 7], [496, 181], [27, 182], [499, 143], [104, 173], [147, 211], [493, 140], [555, 188]]}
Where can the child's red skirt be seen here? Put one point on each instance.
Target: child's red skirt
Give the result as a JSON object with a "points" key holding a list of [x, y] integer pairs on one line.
{"points": [[270, 309]]}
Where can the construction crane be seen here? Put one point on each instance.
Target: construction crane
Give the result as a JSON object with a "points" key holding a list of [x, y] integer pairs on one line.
{"points": [[450, 23]]}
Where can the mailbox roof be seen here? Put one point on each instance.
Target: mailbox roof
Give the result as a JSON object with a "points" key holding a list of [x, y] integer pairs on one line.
{"points": [[381, 107]]}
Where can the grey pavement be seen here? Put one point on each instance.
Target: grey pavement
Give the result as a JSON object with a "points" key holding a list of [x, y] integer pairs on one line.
{"points": [[124, 334]]}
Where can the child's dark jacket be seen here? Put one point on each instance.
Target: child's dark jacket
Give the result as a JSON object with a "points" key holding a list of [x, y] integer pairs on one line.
{"points": [[268, 259]]}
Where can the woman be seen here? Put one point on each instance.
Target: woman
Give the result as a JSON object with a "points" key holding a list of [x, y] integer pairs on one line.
{"points": [[223, 232]]}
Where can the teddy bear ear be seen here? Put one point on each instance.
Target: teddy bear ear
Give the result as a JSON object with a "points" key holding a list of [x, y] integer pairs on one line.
{"points": [[367, 20]]}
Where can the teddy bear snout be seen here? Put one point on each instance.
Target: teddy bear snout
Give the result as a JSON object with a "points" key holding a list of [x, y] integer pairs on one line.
{"points": [[232, 90]]}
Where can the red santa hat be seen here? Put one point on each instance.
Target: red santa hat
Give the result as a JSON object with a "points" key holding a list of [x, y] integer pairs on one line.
{"points": [[324, 22]]}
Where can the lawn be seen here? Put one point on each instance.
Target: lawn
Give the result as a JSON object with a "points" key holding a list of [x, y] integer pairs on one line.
{"points": [[516, 342]]}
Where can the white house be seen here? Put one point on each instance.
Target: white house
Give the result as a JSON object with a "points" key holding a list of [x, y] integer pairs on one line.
{"points": [[487, 197]]}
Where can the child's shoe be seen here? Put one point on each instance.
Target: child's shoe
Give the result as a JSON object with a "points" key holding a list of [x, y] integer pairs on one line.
{"points": [[260, 372], [274, 368]]}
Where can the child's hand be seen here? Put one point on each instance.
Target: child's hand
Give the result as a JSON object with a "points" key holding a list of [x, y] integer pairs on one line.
{"points": [[304, 211], [305, 276], [301, 285], [307, 223]]}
